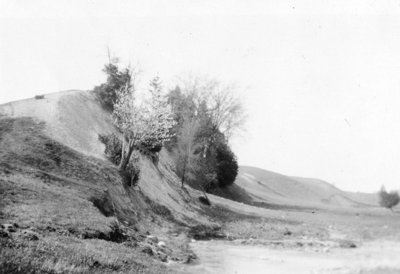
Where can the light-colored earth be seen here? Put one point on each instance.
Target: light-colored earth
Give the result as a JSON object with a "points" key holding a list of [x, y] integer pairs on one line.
{"points": [[226, 257]]}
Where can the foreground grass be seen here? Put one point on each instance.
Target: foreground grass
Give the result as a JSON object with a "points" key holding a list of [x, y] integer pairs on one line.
{"points": [[58, 254]]}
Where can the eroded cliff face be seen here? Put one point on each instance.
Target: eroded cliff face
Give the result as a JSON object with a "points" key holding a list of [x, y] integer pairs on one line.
{"points": [[72, 121], [64, 206]]}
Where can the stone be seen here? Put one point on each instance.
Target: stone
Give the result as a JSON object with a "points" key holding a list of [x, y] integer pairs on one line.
{"points": [[161, 244], [9, 227], [4, 234], [163, 257], [325, 249], [190, 258], [148, 250], [152, 239], [30, 235]]}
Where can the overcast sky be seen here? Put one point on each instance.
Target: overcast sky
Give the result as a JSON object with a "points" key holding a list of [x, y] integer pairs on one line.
{"points": [[320, 79]]}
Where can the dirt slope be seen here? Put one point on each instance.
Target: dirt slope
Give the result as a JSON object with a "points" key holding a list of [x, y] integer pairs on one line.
{"points": [[75, 119], [64, 208]]}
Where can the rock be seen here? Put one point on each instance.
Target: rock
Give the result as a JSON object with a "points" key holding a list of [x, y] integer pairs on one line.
{"points": [[326, 250], [161, 244], [347, 244], [287, 232], [50, 228], [9, 227], [30, 235], [175, 259], [148, 250], [152, 239], [193, 240], [190, 258], [4, 234], [163, 257]]}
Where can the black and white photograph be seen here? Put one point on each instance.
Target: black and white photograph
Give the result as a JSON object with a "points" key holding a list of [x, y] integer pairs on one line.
{"points": [[200, 137]]}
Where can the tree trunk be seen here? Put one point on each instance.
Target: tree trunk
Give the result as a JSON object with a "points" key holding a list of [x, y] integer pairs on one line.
{"points": [[204, 192], [183, 174], [126, 156]]}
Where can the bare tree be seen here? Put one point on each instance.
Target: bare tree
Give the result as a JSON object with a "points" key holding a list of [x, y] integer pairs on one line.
{"points": [[226, 110], [224, 107], [185, 151]]}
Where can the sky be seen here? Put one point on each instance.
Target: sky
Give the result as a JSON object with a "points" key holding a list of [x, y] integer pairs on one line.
{"points": [[320, 79]]}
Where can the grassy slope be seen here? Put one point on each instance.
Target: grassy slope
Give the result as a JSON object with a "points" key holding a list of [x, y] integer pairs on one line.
{"points": [[275, 189], [49, 189]]}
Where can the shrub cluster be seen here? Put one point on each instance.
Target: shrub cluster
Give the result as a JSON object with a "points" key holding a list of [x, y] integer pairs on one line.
{"points": [[113, 148], [113, 151], [388, 200], [116, 80]]}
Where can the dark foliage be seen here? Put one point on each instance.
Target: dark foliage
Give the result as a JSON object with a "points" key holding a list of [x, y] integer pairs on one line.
{"points": [[204, 232], [38, 97], [213, 164], [150, 146], [104, 204], [113, 148], [204, 201], [116, 80], [388, 200], [131, 174], [227, 166]]}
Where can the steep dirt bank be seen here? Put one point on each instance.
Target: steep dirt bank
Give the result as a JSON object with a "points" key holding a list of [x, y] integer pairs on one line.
{"points": [[75, 119], [64, 211]]}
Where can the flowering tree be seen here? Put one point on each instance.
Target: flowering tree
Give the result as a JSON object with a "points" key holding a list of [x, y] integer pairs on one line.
{"points": [[143, 122]]}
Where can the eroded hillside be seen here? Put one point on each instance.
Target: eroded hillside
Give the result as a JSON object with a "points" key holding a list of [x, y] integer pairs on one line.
{"points": [[59, 195]]}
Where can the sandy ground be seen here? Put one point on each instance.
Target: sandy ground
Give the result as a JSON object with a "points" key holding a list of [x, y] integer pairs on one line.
{"points": [[225, 257]]}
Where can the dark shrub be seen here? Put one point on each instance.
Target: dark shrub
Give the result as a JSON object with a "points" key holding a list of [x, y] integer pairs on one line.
{"points": [[38, 97], [113, 148], [227, 166], [131, 174], [204, 200], [388, 200], [116, 80]]}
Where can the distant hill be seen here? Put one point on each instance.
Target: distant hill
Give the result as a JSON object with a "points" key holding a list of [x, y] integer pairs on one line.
{"points": [[264, 186]]}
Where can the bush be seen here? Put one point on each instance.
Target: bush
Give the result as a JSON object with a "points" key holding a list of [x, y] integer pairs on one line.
{"points": [[116, 80], [131, 174], [227, 166], [113, 151], [388, 200], [113, 148], [150, 146], [38, 97], [133, 170]]}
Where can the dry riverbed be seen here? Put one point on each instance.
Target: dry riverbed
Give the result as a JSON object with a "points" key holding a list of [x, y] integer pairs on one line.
{"points": [[230, 257]]}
